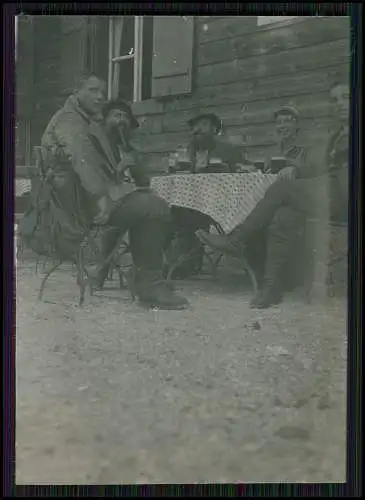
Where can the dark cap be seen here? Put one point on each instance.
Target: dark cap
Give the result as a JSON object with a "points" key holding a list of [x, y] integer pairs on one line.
{"points": [[287, 110], [212, 117], [122, 106]]}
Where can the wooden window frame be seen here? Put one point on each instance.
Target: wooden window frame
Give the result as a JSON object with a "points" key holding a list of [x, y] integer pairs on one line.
{"points": [[136, 56], [16, 33]]}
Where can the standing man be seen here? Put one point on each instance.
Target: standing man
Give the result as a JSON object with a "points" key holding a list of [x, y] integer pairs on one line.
{"points": [[318, 187], [77, 149]]}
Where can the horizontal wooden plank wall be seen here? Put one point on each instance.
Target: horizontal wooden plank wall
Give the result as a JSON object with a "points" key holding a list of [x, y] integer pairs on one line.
{"points": [[244, 73]]}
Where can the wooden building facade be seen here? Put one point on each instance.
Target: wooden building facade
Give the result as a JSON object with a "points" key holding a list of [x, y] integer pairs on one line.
{"points": [[242, 68]]}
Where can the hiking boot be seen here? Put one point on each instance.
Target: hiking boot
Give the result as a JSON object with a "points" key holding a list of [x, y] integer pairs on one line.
{"points": [[269, 296], [155, 292], [220, 243]]}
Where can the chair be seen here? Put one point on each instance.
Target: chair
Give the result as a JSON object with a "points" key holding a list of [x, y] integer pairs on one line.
{"points": [[86, 241], [214, 260], [21, 201]]}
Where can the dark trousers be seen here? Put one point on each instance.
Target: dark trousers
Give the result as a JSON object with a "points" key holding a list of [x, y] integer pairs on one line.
{"points": [[281, 215], [146, 217], [183, 226], [186, 222]]}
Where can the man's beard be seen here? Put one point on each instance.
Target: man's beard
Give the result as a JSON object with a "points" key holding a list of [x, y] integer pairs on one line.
{"points": [[119, 134]]}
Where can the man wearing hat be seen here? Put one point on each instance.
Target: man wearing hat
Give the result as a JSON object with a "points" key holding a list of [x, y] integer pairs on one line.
{"points": [[90, 188], [206, 153], [288, 156], [129, 172], [287, 130], [317, 186]]}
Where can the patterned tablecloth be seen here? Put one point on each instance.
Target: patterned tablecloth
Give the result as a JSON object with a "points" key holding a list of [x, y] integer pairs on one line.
{"points": [[226, 198]]}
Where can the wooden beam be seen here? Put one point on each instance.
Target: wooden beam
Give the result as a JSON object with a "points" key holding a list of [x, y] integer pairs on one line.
{"points": [[226, 27], [281, 38], [283, 63]]}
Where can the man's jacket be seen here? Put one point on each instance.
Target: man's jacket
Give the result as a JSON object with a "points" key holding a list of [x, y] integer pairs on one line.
{"points": [[327, 161], [80, 168], [221, 152]]}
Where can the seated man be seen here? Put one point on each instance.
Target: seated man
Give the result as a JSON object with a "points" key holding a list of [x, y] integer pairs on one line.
{"points": [[318, 187], [77, 149], [289, 152], [288, 147], [119, 124], [205, 153]]}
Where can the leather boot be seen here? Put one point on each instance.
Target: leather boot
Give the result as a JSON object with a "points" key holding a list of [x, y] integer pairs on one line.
{"points": [[109, 240], [154, 292], [270, 295], [280, 240], [148, 239]]}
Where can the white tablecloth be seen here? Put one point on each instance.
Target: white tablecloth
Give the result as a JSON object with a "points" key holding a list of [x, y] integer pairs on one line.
{"points": [[226, 198], [22, 186]]}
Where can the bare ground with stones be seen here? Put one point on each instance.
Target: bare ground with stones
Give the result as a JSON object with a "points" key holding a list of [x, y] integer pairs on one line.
{"points": [[113, 393]]}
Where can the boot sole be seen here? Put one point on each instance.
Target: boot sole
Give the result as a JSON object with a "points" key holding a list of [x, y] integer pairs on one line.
{"points": [[149, 305]]}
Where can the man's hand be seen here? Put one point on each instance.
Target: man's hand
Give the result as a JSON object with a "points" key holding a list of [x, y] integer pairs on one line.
{"points": [[105, 208], [128, 160], [287, 173]]}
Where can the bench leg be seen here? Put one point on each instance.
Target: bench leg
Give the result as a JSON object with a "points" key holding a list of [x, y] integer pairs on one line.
{"points": [[81, 279]]}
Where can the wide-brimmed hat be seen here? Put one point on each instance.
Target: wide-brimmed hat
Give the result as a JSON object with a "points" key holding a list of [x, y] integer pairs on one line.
{"points": [[287, 110], [212, 117], [122, 105]]}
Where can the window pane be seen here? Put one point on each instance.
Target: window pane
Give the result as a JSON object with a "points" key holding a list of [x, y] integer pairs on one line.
{"points": [[123, 36], [125, 72]]}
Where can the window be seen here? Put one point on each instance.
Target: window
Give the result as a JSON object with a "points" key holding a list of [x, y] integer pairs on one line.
{"points": [[16, 36], [130, 57], [265, 20]]}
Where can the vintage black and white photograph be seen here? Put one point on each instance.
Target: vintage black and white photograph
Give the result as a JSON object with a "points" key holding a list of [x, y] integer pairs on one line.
{"points": [[181, 248]]}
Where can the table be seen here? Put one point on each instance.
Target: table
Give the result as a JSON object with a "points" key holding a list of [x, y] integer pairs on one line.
{"points": [[227, 198]]}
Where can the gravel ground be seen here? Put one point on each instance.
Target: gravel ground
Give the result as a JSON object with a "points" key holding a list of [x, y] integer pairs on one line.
{"points": [[113, 393]]}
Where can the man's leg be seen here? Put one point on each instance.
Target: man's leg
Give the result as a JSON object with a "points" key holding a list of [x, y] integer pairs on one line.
{"points": [[147, 218], [109, 238], [281, 238], [185, 222], [299, 195]]}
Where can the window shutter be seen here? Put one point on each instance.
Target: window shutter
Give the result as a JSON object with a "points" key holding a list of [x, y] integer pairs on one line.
{"points": [[25, 66], [172, 62]]}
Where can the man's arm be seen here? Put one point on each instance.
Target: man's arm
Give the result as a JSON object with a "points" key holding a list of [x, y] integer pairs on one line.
{"points": [[314, 162], [71, 134], [139, 171]]}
